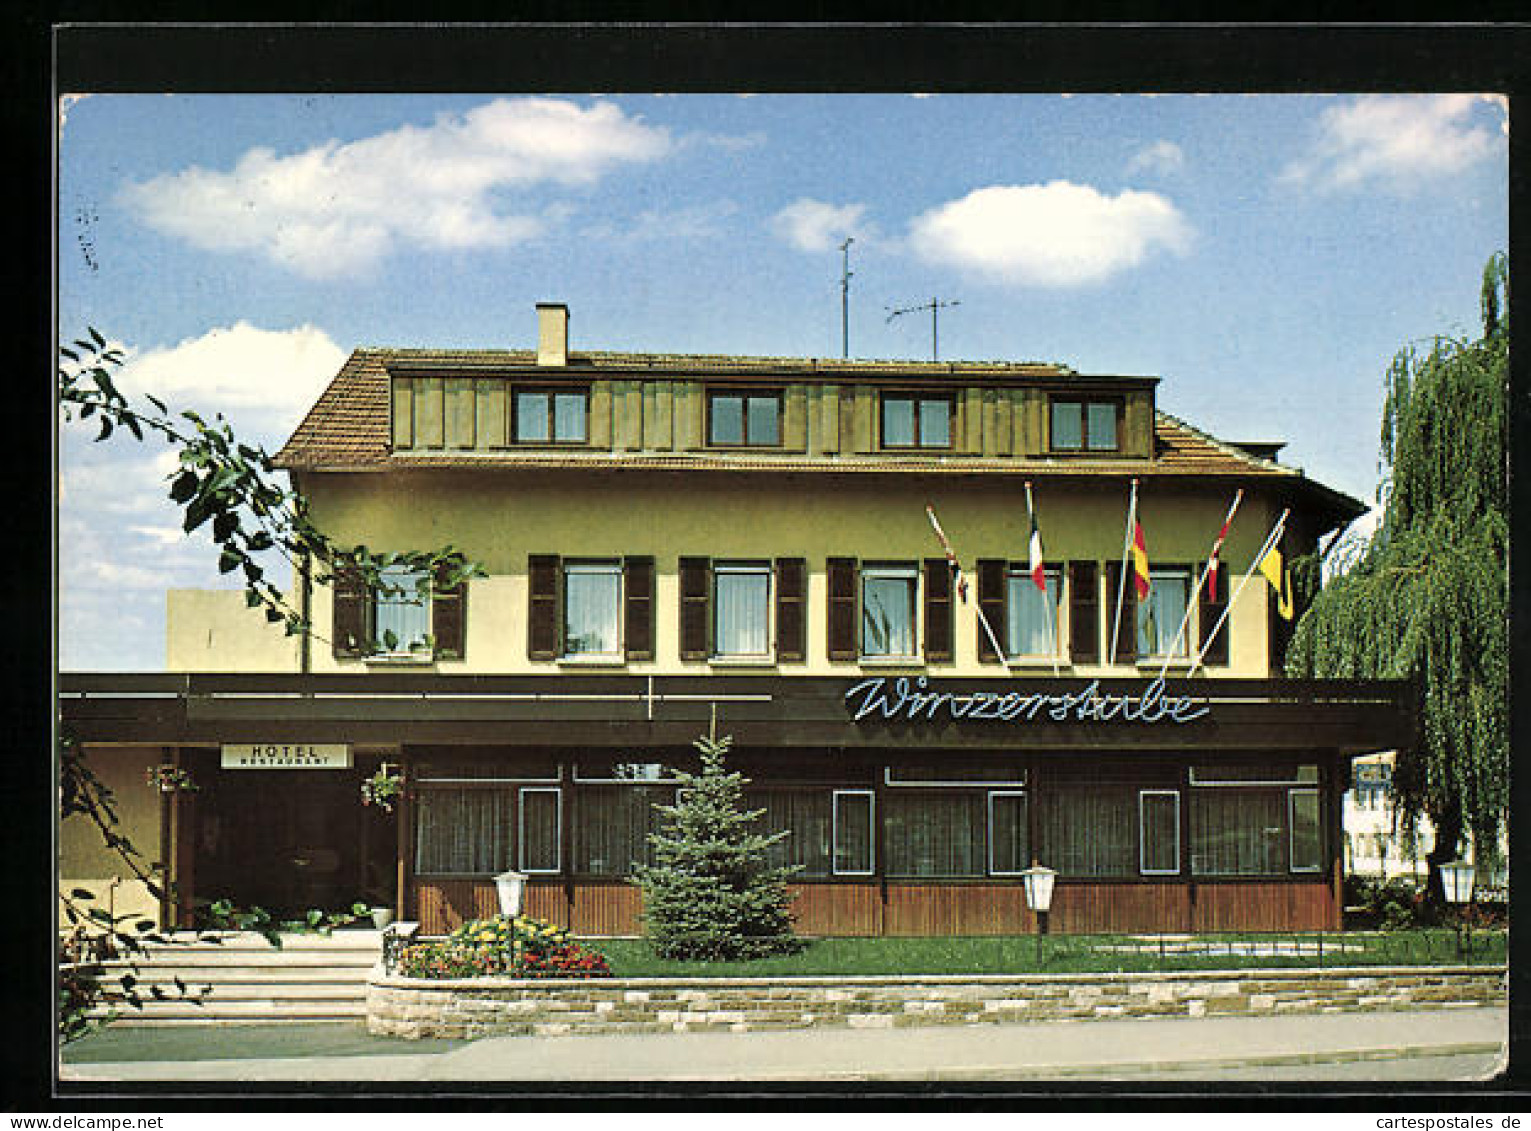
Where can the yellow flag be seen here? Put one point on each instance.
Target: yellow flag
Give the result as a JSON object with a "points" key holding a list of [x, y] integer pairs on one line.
{"points": [[1275, 571]]}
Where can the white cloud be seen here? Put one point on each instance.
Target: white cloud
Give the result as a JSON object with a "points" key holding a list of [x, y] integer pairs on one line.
{"points": [[1162, 157], [341, 207], [261, 380], [1396, 141], [813, 225], [1054, 235]]}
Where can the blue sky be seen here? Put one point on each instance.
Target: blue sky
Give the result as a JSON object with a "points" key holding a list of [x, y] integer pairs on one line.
{"points": [[1265, 255]]}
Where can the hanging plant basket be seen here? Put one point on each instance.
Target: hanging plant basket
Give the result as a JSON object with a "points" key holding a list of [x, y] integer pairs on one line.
{"points": [[170, 779], [382, 789]]}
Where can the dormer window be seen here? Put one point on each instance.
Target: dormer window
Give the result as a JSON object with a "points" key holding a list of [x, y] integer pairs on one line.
{"points": [[744, 419], [1080, 425], [916, 420], [544, 416]]}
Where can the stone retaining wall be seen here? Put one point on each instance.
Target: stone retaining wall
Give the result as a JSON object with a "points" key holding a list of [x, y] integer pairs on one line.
{"points": [[414, 1007]]}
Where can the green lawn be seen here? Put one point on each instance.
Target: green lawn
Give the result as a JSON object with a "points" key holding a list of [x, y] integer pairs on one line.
{"points": [[1069, 954]]}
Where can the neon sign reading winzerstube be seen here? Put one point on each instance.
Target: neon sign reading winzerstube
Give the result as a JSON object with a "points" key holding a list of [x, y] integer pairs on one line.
{"points": [[912, 700]]}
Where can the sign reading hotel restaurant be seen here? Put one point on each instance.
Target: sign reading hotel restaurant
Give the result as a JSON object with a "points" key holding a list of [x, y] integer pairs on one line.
{"points": [[286, 756], [915, 699]]}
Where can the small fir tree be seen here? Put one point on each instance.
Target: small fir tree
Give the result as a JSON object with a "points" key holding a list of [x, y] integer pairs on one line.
{"points": [[711, 892]]}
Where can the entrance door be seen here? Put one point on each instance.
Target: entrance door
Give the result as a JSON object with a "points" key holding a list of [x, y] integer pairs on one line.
{"points": [[284, 840]]}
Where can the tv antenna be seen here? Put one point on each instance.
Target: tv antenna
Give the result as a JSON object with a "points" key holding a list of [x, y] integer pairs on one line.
{"points": [[845, 296], [934, 306]]}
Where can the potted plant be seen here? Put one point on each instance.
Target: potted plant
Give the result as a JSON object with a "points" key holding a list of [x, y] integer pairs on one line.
{"points": [[383, 788], [170, 779]]}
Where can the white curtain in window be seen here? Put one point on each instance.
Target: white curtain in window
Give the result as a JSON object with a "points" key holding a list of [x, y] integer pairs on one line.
{"points": [[592, 610], [743, 598], [400, 608], [1160, 615], [887, 615], [1033, 616], [569, 417]]}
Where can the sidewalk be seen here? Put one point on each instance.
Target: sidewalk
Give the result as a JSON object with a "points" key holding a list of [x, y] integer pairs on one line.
{"points": [[1043, 1051]]}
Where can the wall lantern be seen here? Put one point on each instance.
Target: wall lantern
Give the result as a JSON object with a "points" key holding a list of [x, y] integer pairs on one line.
{"points": [[1039, 897], [510, 887], [1457, 886]]}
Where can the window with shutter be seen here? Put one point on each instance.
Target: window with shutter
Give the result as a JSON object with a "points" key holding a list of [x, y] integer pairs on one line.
{"points": [[1084, 613], [1215, 648], [638, 608], [991, 602], [791, 624], [449, 607], [349, 635], [695, 611], [938, 611], [542, 615], [842, 608]]}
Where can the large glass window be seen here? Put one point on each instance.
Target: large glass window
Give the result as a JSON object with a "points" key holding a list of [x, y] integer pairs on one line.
{"points": [[805, 816], [1009, 840], [1159, 825], [592, 609], [1161, 613], [540, 813], [934, 834], [1238, 832], [853, 832], [1033, 614], [888, 595], [401, 610], [913, 421], [611, 826], [1307, 839], [544, 417], [744, 420], [465, 831], [1089, 831], [741, 609]]}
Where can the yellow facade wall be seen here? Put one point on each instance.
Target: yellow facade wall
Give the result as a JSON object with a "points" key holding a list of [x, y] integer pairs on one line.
{"points": [[213, 630], [500, 518], [86, 862]]}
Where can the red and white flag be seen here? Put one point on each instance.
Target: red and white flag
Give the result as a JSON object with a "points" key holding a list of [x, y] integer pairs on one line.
{"points": [[959, 579], [1038, 565], [1214, 563]]}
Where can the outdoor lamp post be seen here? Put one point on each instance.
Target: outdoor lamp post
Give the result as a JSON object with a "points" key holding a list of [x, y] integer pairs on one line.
{"points": [[510, 887], [1457, 882], [1039, 898]]}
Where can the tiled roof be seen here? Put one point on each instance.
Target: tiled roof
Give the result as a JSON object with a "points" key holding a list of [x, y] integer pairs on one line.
{"points": [[347, 428]]}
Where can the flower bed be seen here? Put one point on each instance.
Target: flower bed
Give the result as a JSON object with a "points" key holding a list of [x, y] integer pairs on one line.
{"points": [[519, 947]]}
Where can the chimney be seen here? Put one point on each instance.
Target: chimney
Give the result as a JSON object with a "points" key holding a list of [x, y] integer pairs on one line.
{"points": [[552, 333]]}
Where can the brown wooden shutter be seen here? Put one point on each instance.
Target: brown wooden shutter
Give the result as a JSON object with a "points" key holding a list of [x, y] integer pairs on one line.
{"points": [[938, 611], [449, 609], [842, 608], [542, 614], [349, 635], [1084, 613], [791, 623], [1215, 651], [695, 607], [638, 608], [991, 602]]}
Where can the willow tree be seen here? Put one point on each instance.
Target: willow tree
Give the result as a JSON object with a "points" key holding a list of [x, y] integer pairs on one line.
{"points": [[1428, 596]]}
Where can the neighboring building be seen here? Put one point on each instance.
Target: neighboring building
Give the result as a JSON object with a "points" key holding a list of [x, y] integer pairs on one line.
{"points": [[673, 539]]}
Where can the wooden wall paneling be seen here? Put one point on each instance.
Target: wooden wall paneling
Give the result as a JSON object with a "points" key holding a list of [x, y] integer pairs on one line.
{"points": [[843, 909], [794, 418], [491, 402], [600, 414], [403, 409], [1080, 907], [826, 432], [916, 909], [430, 412], [1276, 905], [606, 908], [459, 412]]}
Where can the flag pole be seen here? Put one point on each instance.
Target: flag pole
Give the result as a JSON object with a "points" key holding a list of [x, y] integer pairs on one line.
{"points": [[1121, 586], [1185, 621], [951, 556], [1047, 597], [1271, 539]]}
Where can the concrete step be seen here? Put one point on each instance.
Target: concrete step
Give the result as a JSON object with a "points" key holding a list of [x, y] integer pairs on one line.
{"points": [[254, 976], [251, 1012], [267, 991]]}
